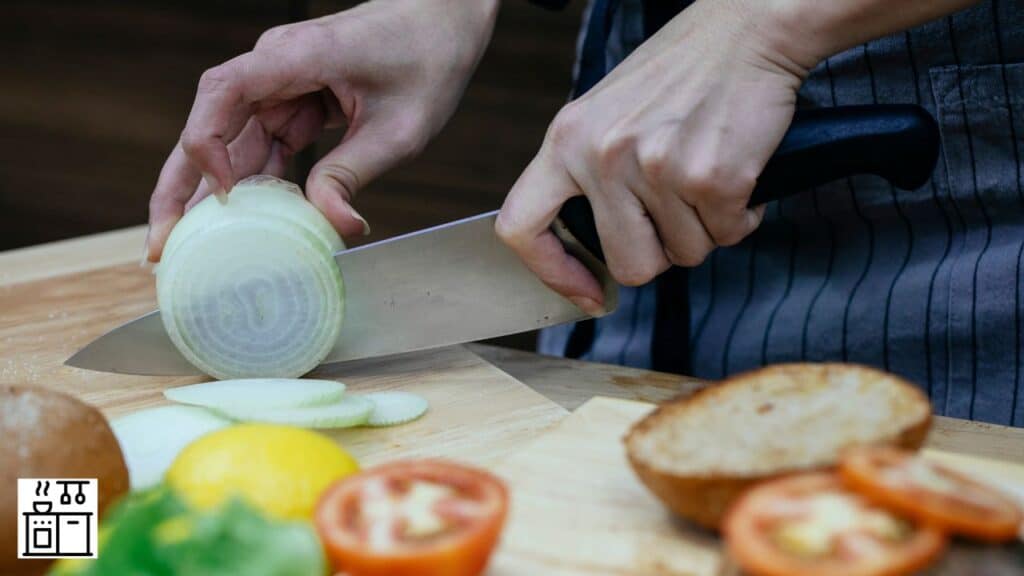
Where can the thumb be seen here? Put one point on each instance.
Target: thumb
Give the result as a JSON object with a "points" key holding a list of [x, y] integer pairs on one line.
{"points": [[333, 183], [365, 153]]}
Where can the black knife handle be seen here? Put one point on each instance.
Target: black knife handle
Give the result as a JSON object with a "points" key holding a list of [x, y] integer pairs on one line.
{"points": [[899, 142]]}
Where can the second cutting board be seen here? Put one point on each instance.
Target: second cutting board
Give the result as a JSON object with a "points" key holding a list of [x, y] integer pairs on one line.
{"points": [[579, 510]]}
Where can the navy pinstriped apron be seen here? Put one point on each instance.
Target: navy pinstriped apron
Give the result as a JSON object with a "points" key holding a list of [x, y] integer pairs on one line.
{"points": [[927, 283]]}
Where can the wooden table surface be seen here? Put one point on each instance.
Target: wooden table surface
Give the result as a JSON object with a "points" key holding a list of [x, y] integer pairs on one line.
{"points": [[569, 383]]}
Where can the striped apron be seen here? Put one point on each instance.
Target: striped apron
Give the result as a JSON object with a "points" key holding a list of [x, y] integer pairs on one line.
{"points": [[926, 283]]}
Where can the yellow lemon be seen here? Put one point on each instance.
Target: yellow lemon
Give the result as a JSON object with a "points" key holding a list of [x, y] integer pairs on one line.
{"points": [[279, 469]]}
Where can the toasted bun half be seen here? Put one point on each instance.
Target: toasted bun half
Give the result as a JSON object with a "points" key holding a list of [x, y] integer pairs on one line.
{"points": [[698, 453]]}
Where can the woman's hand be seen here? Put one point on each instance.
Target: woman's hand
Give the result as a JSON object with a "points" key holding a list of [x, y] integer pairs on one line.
{"points": [[390, 71], [667, 148]]}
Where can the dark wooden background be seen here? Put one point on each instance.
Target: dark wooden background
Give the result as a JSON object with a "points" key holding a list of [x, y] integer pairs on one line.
{"points": [[93, 94]]}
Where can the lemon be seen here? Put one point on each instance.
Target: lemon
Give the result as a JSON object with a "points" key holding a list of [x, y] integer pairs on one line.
{"points": [[280, 470]]}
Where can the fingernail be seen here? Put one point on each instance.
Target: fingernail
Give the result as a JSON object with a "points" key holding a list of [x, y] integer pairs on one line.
{"points": [[216, 189], [358, 216], [588, 305]]}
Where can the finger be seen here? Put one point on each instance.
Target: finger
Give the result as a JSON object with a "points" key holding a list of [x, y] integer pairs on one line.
{"points": [[335, 179], [224, 102], [524, 224], [365, 153], [269, 139], [178, 180], [297, 125], [277, 163], [685, 240], [683, 237], [670, 164], [249, 153], [632, 248], [728, 221]]}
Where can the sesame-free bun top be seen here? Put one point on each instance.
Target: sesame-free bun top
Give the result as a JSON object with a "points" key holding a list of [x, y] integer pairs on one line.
{"points": [[698, 452]]}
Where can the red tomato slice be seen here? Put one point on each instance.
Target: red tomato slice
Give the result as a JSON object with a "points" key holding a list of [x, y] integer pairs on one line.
{"points": [[810, 525], [931, 493], [413, 518]]}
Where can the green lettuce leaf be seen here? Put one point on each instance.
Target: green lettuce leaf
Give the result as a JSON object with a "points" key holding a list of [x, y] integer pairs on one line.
{"points": [[154, 533]]}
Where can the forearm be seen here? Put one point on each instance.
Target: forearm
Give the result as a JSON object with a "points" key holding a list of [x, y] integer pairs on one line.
{"points": [[811, 30], [466, 25], [481, 14]]}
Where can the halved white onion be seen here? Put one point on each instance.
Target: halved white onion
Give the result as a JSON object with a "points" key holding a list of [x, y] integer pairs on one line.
{"points": [[248, 287]]}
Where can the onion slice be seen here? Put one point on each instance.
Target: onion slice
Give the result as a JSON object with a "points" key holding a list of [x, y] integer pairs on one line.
{"points": [[258, 393], [248, 287], [349, 411], [150, 439], [394, 407]]}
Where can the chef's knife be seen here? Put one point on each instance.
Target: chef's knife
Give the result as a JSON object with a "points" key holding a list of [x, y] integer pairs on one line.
{"points": [[457, 282]]}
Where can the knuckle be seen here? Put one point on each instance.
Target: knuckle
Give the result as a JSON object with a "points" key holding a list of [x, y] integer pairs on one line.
{"points": [[287, 37], [276, 36], [655, 161], [507, 231], [729, 236], [565, 125], [716, 179], [611, 148], [215, 79], [193, 143], [689, 257], [736, 184], [702, 178], [345, 178], [636, 272], [731, 233]]}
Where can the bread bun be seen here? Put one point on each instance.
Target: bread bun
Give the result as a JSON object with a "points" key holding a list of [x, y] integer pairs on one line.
{"points": [[47, 434], [698, 453]]}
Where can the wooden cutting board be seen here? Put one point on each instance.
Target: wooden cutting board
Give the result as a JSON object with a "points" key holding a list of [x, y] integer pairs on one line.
{"points": [[477, 412], [578, 509]]}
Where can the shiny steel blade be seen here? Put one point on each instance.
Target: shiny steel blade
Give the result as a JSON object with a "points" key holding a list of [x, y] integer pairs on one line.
{"points": [[445, 285], [140, 346]]}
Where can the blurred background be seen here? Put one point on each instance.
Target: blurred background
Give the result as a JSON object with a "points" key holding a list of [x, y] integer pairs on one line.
{"points": [[94, 94]]}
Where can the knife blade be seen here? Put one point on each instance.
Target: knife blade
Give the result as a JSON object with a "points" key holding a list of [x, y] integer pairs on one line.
{"points": [[458, 282], [445, 285]]}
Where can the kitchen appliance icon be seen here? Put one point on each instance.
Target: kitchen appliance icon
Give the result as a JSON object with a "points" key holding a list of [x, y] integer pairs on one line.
{"points": [[58, 527]]}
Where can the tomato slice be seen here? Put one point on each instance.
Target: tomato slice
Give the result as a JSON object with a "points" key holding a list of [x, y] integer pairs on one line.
{"points": [[811, 525], [931, 493], [420, 517]]}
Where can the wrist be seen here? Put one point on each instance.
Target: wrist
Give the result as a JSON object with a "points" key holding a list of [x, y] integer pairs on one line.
{"points": [[781, 32], [474, 20], [756, 32], [811, 31]]}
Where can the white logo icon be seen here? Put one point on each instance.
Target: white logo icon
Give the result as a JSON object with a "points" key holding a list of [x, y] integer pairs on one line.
{"points": [[57, 517]]}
